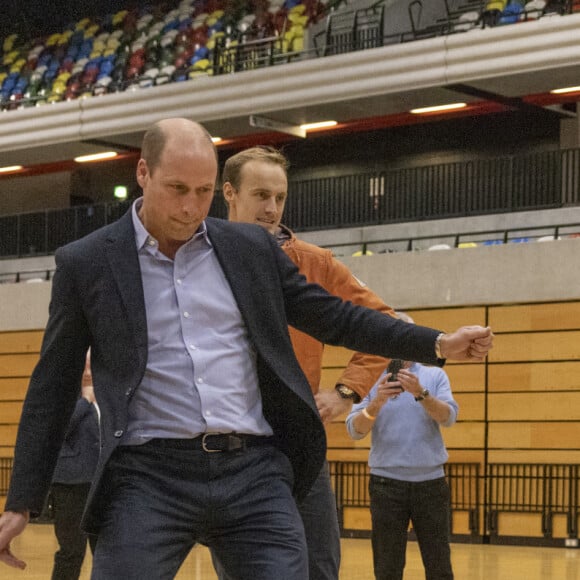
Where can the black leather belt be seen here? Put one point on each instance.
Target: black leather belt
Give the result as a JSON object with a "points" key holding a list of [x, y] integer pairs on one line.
{"points": [[215, 442]]}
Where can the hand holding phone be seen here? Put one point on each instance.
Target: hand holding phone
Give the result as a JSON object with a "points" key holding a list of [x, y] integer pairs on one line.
{"points": [[394, 367]]}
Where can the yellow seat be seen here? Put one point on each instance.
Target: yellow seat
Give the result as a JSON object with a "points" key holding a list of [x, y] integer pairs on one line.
{"points": [[8, 43]]}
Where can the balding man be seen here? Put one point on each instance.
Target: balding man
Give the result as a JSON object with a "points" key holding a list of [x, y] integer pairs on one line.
{"points": [[208, 425]]}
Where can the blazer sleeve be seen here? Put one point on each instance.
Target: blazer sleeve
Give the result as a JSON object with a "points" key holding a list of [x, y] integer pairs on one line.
{"points": [[329, 319], [52, 393]]}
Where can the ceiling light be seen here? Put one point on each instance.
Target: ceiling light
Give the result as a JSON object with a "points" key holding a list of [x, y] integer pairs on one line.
{"points": [[438, 108], [216, 139], [565, 90], [11, 168], [319, 125], [96, 157]]}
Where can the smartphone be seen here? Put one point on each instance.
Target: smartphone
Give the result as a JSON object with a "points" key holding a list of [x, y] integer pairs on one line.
{"points": [[394, 367]]}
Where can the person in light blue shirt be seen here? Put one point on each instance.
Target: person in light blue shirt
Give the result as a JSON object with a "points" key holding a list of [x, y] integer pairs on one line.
{"points": [[407, 482]]}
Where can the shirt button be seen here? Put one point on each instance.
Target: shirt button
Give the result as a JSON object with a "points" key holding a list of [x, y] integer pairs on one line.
{"points": [[186, 314], [199, 380], [192, 347], [127, 392], [151, 242], [118, 433], [178, 280], [208, 413]]}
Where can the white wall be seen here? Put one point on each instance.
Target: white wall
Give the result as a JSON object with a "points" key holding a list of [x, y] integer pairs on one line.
{"points": [[531, 272]]}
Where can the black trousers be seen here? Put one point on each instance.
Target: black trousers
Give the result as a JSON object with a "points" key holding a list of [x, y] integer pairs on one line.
{"points": [[68, 504], [394, 504]]}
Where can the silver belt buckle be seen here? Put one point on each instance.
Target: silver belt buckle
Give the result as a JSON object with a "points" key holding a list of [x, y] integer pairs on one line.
{"points": [[204, 445]]}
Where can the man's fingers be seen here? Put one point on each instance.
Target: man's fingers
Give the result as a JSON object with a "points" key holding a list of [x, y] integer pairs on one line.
{"points": [[10, 559]]}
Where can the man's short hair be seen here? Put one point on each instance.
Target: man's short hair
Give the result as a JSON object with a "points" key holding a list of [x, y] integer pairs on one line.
{"points": [[152, 147], [233, 166], [154, 142]]}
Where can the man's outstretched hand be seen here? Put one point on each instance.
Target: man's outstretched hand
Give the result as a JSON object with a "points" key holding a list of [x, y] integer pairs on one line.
{"points": [[467, 343], [11, 525]]}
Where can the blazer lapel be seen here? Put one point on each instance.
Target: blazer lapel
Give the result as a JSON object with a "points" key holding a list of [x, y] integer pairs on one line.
{"points": [[122, 254], [240, 281]]}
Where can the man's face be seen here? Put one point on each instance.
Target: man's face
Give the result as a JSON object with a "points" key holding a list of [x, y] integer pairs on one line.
{"points": [[177, 195], [261, 196]]}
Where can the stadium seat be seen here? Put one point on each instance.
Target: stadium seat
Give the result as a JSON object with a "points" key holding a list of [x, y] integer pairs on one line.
{"points": [[512, 13]]}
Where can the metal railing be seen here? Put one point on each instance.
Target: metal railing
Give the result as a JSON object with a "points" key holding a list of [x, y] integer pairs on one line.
{"points": [[350, 482], [545, 489], [484, 186], [5, 474]]}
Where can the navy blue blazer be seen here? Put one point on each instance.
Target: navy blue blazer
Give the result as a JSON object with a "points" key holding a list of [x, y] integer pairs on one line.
{"points": [[79, 453], [97, 301]]}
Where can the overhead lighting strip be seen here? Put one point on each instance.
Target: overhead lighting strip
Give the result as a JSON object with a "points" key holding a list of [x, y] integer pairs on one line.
{"points": [[438, 108], [96, 157]]}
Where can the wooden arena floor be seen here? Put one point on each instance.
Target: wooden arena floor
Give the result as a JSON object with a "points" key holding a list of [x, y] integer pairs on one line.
{"points": [[470, 562]]}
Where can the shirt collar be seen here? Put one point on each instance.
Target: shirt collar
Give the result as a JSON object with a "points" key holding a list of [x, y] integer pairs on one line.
{"points": [[143, 237]]}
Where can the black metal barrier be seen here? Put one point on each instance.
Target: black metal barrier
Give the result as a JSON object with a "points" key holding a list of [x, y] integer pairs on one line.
{"points": [[5, 474], [545, 489]]}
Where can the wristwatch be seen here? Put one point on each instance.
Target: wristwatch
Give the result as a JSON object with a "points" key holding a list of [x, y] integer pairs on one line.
{"points": [[424, 394], [347, 393]]}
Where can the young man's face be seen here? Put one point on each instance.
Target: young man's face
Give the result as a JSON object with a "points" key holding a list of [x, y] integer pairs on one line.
{"points": [[261, 196]]}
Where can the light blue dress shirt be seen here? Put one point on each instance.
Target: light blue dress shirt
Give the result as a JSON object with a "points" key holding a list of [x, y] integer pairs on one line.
{"points": [[201, 371]]}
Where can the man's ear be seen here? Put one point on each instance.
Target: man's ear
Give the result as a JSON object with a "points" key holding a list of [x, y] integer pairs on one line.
{"points": [[142, 172], [228, 191]]}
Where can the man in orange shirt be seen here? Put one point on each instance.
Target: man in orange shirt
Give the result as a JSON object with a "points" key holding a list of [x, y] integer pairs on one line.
{"points": [[255, 187]]}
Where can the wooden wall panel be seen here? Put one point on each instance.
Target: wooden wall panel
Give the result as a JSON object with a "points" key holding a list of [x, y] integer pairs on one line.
{"points": [[10, 412], [526, 525], [329, 377], [17, 365], [337, 436], [13, 389], [539, 346], [460, 522], [336, 356], [535, 435], [534, 406], [20, 342], [549, 316], [466, 456], [449, 319], [530, 376], [347, 454], [471, 406], [559, 526], [563, 456], [8, 435], [464, 435], [466, 377], [357, 518]]}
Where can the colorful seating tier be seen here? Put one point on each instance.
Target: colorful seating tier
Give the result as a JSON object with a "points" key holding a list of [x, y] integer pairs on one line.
{"points": [[135, 50]]}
